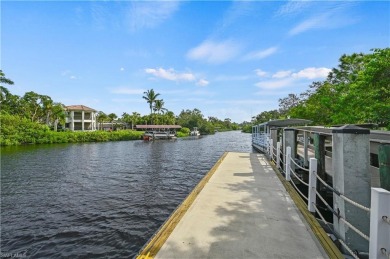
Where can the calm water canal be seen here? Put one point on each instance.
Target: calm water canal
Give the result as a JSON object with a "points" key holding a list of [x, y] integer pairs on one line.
{"points": [[99, 199]]}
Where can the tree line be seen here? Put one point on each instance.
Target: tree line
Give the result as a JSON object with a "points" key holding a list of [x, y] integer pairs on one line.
{"points": [[357, 91], [33, 117], [187, 118]]}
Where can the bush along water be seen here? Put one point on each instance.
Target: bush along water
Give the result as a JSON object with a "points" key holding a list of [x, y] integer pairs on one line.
{"points": [[15, 130]]}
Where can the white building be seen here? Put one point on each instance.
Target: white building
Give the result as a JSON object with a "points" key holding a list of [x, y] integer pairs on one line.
{"points": [[80, 117]]}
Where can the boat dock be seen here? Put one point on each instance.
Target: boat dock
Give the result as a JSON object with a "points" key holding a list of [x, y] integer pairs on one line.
{"points": [[241, 209]]}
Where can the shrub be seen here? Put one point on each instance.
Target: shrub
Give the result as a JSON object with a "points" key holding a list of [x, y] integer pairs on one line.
{"points": [[15, 130]]}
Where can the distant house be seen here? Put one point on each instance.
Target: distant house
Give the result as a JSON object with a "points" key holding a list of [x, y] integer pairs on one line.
{"points": [[80, 117]]}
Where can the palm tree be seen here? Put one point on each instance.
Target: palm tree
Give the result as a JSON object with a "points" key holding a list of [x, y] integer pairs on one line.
{"points": [[4, 80], [112, 117], [135, 116], [101, 118], [150, 97], [159, 106]]}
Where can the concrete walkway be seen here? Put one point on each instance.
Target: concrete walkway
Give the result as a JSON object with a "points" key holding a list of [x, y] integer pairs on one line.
{"points": [[242, 212]]}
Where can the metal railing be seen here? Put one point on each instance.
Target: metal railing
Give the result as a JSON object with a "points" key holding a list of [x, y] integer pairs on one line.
{"points": [[379, 222]]}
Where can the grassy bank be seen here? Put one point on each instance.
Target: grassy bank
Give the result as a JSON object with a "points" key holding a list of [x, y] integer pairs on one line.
{"points": [[18, 131]]}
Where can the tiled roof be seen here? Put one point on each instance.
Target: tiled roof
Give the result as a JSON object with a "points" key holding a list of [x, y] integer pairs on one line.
{"points": [[79, 108]]}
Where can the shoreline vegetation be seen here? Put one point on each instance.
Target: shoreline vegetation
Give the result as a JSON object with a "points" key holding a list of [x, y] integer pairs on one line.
{"points": [[357, 91], [36, 119], [16, 130], [21, 131]]}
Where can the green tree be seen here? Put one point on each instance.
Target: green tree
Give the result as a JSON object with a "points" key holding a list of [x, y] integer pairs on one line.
{"points": [[101, 118], [285, 104], [4, 80], [150, 96], [58, 115], [36, 107], [190, 119], [372, 88], [357, 91], [159, 106], [8, 101], [267, 115], [111, 118], [169, 118], [132, 119]]}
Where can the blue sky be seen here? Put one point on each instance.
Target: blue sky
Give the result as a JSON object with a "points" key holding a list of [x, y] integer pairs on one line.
{"points": [[228, 59]]}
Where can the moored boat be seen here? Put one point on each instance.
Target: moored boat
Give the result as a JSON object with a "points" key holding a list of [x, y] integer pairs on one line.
{"points": [[154, 132], [195, 132]]}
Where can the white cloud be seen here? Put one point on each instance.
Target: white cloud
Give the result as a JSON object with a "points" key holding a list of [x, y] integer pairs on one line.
{"points": [[69, 74], [312, 73], [329, 17], [214, 52], [286, 78], [122, 69], [126, 90], [261, 73], [282, 74], [170, 74], [202, 82], [150, 14], [261, 53], [275, 84], [316, 22], [236, 10], [270, 92], [293, 7]]}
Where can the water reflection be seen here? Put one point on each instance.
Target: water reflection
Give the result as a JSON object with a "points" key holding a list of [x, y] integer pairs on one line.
{"points": [[99, 199]]}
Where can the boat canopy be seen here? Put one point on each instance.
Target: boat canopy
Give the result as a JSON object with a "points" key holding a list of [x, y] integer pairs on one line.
{"points": [[157, 126]]}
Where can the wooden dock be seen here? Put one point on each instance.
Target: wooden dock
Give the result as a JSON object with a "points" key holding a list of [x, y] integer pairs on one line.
{"points": [[241, 209]]}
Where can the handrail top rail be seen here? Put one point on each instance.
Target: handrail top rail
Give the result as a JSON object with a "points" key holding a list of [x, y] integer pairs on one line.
{"points": [[375, 135], [285, 122]]}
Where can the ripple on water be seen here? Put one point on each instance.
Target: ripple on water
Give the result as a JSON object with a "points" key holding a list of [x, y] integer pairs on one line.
{"points": [[99, 199]]}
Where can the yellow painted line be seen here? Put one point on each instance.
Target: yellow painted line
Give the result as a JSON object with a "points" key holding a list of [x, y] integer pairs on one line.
{"points": [[327, 243], [151, 249]]}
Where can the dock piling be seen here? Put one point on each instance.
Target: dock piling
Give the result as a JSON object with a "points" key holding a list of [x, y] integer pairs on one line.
{"points": [[352, 179]]}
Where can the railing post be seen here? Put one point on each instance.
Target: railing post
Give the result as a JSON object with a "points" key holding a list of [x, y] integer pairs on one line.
{"points": [[352, 178], [288, 157], [278, 154], [312, 185], [270, 150], [290, 141], [379, 228], [305, 148]]}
